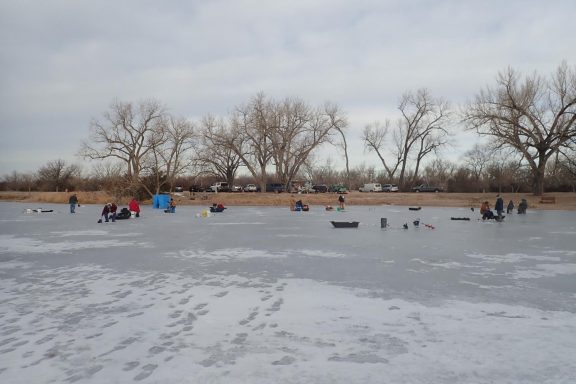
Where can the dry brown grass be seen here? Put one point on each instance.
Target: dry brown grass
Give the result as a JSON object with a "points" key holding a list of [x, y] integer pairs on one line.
{"points": [[564, 201]]}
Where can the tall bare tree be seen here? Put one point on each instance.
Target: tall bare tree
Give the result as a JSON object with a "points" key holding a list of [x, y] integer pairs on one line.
{"points": [[171, 152], [374, 138], [533, 115], [299, 130], [250, 136], [421, 128], [215, 155], [127, 132]]}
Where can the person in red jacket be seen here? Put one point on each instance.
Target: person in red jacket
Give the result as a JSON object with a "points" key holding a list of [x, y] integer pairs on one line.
{"points": [[134, 207]]}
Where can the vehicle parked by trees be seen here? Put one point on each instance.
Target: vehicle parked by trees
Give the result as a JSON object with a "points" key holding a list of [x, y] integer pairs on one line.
{"points": [[275, 187], [371, 187], [196, 188], [389, 188], [251, 188], [427, 188], [337, 188], [320, 188], [220, 186]]}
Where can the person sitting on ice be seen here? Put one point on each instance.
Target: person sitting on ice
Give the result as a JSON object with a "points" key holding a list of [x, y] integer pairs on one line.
{"points": [[485, 211], [105, 212], [522, 206], [134, 207]]}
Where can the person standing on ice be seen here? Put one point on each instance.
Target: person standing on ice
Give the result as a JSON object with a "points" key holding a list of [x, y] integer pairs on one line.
{"points": [[510, 207], [73, 201], [341, 201], [499, 206]]}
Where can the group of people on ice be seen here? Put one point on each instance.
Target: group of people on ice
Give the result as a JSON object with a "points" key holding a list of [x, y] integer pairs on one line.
{"points": [[110, 211], [487, 213]]}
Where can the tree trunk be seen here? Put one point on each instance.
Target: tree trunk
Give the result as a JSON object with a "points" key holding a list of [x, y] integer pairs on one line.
{"points": [[538, 180]]}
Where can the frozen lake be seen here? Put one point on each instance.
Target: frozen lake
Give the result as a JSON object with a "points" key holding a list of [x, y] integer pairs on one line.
{"points": [[262, 294]]}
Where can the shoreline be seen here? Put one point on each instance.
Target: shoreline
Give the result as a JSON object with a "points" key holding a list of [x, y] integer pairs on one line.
{"points": [[562, 200]]}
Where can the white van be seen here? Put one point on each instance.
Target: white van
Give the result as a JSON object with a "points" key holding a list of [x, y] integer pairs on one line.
{"points": [[371, 187], [220, 186]]}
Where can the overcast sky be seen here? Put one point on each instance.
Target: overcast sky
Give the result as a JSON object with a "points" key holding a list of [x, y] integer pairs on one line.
{"points": [[63, 62]]}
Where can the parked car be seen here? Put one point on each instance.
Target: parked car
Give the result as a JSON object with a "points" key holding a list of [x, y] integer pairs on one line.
{"points": [[389, 188], [275, 187], [220, 186], [179, 189], [236, 188], [427, 188], [321, 188], [251, 188], [371, 187], [196, 188], [338, 188]]}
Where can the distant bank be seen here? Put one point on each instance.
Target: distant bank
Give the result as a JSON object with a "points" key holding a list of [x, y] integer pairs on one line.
{"points": [[553, 201]]}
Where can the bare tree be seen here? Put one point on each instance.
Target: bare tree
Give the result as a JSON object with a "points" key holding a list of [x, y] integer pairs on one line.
{"points": [[534, 115], [249, 137], [476, 161], [56, 175], [374, 138], [17, 181], [340, 126], [439, 171], [214, 155], [171, 145], [127, 133], [299, 129], [422, 128]]}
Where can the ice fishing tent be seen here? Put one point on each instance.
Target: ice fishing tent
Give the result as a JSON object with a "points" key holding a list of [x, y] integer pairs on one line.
{"points": [[160, 201]]}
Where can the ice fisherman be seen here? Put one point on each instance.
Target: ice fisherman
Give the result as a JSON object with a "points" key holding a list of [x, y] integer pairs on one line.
{"points": [[341, 201], [134, 207], [73, 201], [522, 206], [510, 207], [499, 206], [485, 211], [105, 212]]}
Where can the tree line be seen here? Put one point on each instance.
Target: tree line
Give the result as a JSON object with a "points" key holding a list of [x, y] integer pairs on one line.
{"points": [[141, 149]]}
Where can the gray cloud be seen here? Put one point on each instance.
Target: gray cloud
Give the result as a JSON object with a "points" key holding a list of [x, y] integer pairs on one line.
{"points": [[64, 62]]}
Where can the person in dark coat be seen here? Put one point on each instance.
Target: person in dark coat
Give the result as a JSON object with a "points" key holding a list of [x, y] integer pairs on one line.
{"points": [[510, 207], [341, 201], [522, 206], [73, 201], [499, 206], [105, 213], [113, 209]]}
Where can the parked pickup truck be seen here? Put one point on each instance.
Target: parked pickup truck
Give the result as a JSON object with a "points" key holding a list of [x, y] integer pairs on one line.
{"points": [[427, 188]]}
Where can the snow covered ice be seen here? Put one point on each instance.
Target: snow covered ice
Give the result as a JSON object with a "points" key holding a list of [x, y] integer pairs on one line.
{"points": [[262, 295]]}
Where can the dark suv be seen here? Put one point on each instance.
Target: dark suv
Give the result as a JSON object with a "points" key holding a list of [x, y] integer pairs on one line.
{"points": [[322, 188], [275, 187]]}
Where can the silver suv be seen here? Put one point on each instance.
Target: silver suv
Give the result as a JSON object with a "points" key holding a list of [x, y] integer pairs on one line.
{"points": [[389, 188]]}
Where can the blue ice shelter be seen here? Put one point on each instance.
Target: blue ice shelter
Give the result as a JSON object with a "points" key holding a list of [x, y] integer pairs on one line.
{"points": [[161, 201]]}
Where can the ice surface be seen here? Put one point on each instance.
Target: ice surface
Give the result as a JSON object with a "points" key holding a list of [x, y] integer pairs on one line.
{"points": [[262, 294]]}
